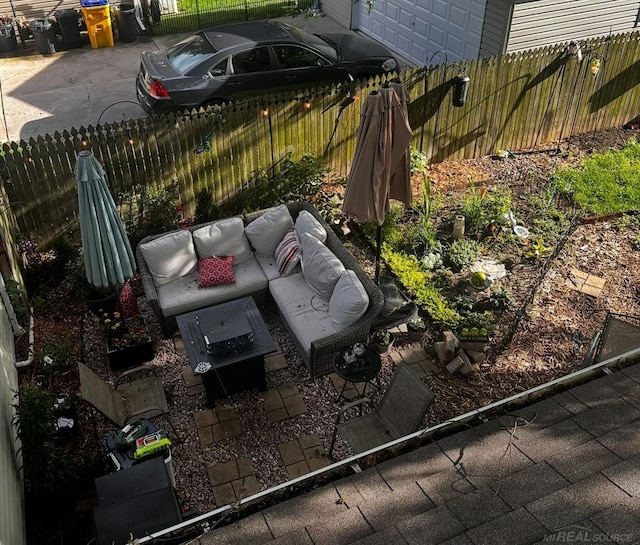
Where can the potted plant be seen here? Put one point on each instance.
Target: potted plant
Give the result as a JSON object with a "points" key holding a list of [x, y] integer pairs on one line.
{"points": [[8, 40], [416, 328], [382, 339], [128, 341]]}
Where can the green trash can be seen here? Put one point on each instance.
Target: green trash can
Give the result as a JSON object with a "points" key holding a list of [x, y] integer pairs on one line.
{"points": [[44, 34], [126, 22]]}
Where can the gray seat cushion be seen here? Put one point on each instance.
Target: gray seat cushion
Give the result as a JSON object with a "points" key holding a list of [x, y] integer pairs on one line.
{"points": [[183, 295], [306, 315]]}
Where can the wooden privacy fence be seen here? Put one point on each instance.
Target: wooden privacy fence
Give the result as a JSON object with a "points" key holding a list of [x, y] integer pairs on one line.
{"points": [[515, 102]]}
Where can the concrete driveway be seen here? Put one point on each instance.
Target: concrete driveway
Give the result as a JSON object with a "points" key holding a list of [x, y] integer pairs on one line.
{"points": [[42, 94]]}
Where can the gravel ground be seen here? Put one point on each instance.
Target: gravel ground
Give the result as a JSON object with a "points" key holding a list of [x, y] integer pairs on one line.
{"points": [[260, 438]]}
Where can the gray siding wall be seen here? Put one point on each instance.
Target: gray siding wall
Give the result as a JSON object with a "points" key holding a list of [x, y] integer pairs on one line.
{"points": [[12, 530], [495, 27], [540, 22], [339, 11]]}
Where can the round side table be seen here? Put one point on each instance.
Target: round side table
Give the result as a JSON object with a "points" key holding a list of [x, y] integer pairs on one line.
{"points": [[362, 371]]}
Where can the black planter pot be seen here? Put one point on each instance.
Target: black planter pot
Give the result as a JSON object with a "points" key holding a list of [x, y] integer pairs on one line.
{"points": [[130, 356], [99, 302]]}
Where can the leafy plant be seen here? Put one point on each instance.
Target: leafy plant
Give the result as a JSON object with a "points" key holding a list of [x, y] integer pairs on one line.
{"points": [[418, 283], [418, 161], [606, 183], [65, 250], [417, 324], [393, 233], [463, 252], [538, 250], [206, 210], [19, 301], [482, 206], [301, 179], [381, 336], [149, 211], [54, 355], [45, 462]]}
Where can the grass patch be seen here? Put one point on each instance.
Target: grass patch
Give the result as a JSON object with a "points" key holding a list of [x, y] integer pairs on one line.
{"points": [[607, 182]]}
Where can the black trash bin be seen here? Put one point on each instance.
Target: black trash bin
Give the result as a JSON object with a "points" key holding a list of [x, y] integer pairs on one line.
{"points": [[69, 28], [44, 34], [126, 21]]}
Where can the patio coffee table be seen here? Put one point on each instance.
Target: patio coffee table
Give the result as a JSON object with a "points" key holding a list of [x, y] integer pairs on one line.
{"points": [[233, 370]]}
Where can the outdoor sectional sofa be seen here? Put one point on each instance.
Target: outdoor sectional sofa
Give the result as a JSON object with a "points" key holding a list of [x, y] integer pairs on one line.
{"points": [[324, 297]]}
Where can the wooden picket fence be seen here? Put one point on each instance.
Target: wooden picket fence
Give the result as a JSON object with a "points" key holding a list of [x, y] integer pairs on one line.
{"points": [[515, 102]]}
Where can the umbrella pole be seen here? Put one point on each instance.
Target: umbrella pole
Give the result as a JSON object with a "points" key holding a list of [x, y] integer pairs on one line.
{"points": [[378, 244]]}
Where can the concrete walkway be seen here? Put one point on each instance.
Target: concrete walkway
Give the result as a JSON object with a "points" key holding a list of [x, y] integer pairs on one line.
{"points": [[564, 469]]}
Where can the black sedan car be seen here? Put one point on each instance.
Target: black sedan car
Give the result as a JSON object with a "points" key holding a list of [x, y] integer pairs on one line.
{"points": [[236, 61]]}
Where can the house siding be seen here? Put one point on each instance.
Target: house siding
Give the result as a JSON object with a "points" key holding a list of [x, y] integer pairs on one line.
{"points": [[12, 530], [338, 10], [495, 27], [537, 23]]}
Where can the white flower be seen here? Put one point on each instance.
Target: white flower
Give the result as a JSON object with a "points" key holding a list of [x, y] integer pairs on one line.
{"points": [[48, 360]]}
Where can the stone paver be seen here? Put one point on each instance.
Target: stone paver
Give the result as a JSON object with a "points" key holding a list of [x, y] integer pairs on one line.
{"points": [[585, 282], [283, 402], [193, 383], [276, 362], [216, 424], [232, 480], [300, 456]]}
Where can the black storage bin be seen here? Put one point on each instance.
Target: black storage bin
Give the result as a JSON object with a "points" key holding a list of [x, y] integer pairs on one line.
{"points": [[126, 21], [8, 40], [69, 28], [44, 34]]}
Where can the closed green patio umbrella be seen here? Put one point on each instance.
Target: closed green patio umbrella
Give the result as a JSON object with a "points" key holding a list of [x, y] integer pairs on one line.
{"points": [[108, 258]]}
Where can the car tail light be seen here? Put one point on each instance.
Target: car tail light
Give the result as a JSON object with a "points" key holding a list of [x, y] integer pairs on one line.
{"points": [[157, 90]]}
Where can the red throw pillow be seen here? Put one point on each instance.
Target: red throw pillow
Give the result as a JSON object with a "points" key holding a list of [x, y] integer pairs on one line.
{"points": [[128, 302], [215, 271]]}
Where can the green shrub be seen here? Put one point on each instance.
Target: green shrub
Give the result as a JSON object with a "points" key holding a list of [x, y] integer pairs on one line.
{"points": [[206, 210], [419, 284], [65, 250], [301, 179], [482, 206], [45, 463], [606, 183], [463, 252], [150, 211], [393, 232], [19, 301]]}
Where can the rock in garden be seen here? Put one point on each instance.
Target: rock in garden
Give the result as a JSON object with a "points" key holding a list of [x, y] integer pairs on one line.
{"points": [[439, 350], [450, 344], [454, 364], [475, 357]]}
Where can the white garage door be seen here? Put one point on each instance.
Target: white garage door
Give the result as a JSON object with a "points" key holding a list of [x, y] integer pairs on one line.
{"points": [[416, 29]]}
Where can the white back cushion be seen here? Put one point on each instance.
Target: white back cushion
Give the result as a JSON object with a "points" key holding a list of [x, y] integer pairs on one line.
{"points": [[224, 237], [266, 232], [307, 223], [320, 267], [170, 256], [349, 300]]}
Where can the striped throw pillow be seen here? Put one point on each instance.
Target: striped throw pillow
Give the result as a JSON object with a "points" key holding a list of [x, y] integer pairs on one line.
{"points": [[288, 253]]}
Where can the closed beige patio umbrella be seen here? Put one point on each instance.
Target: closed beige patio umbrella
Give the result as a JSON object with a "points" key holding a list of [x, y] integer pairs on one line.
{"points": [[380, 168]]}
